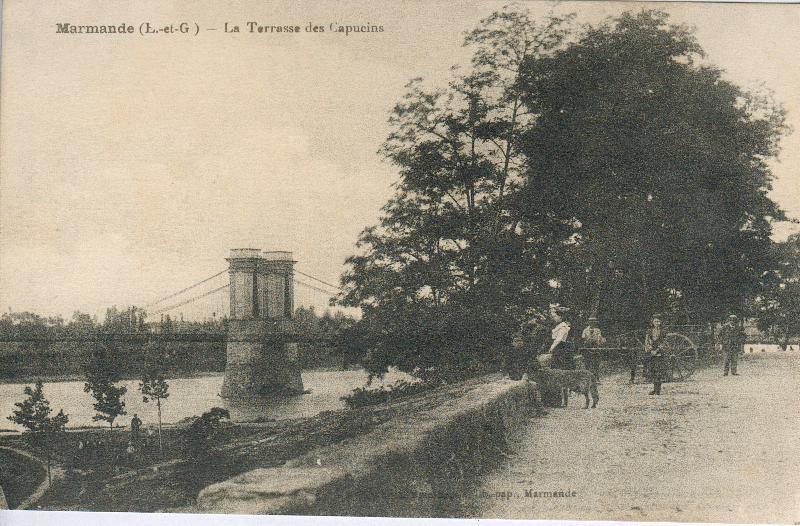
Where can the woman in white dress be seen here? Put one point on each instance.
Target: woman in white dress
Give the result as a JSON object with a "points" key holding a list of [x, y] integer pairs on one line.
{"points": [[560, 348]]}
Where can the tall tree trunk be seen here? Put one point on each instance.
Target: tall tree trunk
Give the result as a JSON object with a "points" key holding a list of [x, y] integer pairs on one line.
{"points": [[785, 344], [160, 445]]}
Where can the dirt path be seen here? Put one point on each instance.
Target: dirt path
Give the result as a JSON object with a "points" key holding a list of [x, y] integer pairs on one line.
{"points": [[56, 473], [721, 449]]}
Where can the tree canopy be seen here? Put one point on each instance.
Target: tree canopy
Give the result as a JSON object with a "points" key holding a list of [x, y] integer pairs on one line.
{"points": [[607, 168], [658, 161], [450, 239]]}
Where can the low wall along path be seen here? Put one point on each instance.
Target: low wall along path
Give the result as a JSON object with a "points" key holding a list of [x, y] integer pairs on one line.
{"points": [[423, 462]]}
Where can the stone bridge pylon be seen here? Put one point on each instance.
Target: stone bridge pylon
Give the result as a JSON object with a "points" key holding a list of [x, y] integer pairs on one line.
{"points": [[259, 361]]}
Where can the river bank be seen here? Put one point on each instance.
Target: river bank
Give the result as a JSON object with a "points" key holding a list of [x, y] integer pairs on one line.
{"points": [[194, 395], [78, 377], [101, 473], [177, 375]]}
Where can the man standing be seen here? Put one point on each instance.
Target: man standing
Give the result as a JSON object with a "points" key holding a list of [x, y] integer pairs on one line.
{"points": [[730, 336], [592, 338], [136, 427], [655, 354]]}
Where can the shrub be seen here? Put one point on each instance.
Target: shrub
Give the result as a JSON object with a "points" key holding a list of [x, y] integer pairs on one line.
{"points": [[365, 396]]}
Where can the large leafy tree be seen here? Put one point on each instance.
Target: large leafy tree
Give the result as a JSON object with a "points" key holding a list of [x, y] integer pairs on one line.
{"points": [[659, 166], [440, 276], [612, 171]]}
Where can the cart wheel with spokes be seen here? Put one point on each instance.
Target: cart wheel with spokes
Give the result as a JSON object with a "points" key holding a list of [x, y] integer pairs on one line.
{"points": [[681, 354]]}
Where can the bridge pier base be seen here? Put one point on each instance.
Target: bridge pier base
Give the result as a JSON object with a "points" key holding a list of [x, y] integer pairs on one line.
{"points": [[259, 360], [256, 364]]}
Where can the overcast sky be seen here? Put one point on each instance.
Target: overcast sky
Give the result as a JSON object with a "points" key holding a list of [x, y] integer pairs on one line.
{"points": [[131, 165]]}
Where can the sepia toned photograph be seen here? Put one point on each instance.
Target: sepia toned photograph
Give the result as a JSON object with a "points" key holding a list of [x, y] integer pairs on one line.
{"points": [[475, 259]]}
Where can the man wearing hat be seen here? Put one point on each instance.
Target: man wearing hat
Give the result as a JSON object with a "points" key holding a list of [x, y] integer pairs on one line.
{"points": [[592, 338], [654, 353], [731, 339]]}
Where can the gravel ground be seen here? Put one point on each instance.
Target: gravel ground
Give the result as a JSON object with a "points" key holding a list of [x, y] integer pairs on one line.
{"points": [[713, 448]]}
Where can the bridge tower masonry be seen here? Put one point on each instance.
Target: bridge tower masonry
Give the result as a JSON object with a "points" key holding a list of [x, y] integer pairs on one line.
{"points": [[259, 362]]}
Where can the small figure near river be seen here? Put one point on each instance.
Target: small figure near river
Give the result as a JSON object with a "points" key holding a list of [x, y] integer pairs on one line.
{"points": [[136, 431]]}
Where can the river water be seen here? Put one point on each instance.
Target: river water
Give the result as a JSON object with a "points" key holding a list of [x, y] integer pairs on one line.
{"points": [[193, 396]]}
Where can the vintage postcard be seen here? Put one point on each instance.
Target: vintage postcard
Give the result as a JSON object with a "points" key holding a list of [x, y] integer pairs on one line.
{"points": [[475, 259]]}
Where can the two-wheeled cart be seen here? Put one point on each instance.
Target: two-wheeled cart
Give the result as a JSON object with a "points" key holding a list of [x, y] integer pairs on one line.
{"points": [[680, 353]]}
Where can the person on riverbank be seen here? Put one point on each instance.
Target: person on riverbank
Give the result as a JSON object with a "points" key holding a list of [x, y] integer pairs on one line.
{"points": [[732, 339], [654, 352], [136, 430]]}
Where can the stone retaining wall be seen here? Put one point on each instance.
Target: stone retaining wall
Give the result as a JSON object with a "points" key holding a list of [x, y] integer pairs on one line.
{"points": [[423, 462]]}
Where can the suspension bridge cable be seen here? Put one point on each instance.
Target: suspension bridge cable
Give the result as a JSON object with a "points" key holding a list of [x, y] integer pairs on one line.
{"points": [[317, 279], [190, 300], [329, 293], [184, 290]]}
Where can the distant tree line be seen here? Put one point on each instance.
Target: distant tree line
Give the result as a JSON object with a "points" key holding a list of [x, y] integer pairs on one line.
{"points": [[330, 349], [52, 346]]}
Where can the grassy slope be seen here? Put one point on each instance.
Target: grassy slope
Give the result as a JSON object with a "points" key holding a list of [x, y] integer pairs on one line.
{"points": [[19, 476]]}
